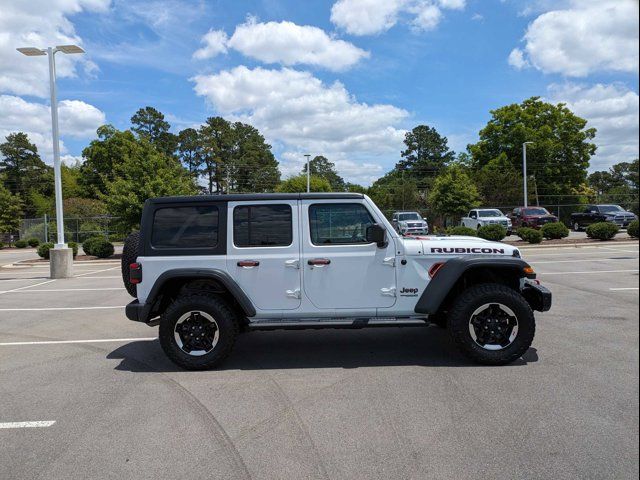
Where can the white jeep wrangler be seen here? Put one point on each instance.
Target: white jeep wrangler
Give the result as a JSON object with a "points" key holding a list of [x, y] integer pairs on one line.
{"points": [[205, 268]]}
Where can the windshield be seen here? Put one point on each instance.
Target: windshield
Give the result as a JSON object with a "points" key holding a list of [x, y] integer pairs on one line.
{"points": [[489, 213], [409, 216], [610, 208], [535, 211]]}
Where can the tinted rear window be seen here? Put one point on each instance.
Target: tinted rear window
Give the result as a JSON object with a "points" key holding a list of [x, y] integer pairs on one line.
{"points": [[185, 227], [262, 226]]}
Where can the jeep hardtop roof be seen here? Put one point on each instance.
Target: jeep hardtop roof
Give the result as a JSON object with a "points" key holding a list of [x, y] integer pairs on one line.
{"points": [[252, 197]]}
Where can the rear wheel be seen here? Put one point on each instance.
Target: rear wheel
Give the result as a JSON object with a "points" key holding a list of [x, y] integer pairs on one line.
{"points": [[197, 332], [492, 324]]}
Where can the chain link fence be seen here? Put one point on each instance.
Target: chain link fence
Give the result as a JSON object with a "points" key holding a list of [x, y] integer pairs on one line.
{"points": [[75, 229]]}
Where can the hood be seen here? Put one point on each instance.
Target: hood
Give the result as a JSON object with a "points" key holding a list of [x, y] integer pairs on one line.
{"points": [[545, 215], [623, 213], [455, 246]]}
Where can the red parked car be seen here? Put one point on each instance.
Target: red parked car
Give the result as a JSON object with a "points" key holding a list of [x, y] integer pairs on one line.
{"points": [[533, 217]]}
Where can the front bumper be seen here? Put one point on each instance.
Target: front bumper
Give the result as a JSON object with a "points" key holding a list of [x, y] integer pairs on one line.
{"points": [[538, 297]]}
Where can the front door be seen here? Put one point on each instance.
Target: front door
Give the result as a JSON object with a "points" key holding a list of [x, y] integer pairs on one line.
{"points": [[340, 269], [263, 252]]}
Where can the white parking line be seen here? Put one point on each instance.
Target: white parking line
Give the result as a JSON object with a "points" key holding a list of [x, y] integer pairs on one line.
{"points": [[590, 271], [623, 288], [64, 289], [61, 342], [584, 260], [36, 424], [26, 286], [57, 309]]}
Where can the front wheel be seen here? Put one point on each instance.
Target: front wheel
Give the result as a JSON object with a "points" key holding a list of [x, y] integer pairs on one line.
{"points": [[576, 227], [197, 332], [492, 324]]}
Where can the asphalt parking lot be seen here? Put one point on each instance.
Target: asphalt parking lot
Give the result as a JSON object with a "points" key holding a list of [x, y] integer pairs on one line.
{"points": [[365, 404]]}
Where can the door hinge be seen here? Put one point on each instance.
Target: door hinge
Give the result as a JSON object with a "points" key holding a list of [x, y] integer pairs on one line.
{"points": [[389, 292], [391, 261], [294, 293], [292, 263]]}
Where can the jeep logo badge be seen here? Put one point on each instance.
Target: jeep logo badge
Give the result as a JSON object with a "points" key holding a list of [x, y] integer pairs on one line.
{"points": [[408, 292]]}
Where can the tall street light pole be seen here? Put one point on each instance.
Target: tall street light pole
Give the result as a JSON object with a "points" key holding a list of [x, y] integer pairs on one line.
{"points": [[308, 172], [524, 171], [61, 260]]}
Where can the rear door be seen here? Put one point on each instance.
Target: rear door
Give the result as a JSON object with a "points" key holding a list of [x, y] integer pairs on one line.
{"points": [[263, 252], [341, 270]]}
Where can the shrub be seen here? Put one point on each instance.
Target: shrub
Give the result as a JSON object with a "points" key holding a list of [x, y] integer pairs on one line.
{"points": [[43, 250], [462, 230], [73, 246], [102, 248], [117, 237], [492, 232], [21, 244], [552, 231], [530, 235], [33, 242], [89, 243], [602, 230], [632, 229]]}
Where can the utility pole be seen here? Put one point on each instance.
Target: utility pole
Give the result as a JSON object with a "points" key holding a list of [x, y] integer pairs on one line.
{"points": [[524, 171], [308, 156]]}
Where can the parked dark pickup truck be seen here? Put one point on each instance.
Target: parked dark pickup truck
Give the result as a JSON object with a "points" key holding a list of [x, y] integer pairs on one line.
{"points": [[602, 213], [532, 217]]}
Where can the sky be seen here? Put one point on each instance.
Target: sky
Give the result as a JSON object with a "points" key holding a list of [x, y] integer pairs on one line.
{"points": [[344, 78]]}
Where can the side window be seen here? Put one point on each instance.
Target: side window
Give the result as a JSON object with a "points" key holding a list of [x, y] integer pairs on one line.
{"points": [[339, 223], [262, 226], [185, 227], [473, 214]]}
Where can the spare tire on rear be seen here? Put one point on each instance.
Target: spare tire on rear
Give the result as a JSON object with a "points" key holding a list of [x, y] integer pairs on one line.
{"points": [[129, 256]]}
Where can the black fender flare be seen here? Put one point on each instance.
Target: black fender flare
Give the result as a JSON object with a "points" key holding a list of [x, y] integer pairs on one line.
{"points": [[447, 276], [203, 274]]}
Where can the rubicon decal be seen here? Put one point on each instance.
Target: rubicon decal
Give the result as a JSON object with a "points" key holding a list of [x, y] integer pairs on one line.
{"points": [[466, 250]]}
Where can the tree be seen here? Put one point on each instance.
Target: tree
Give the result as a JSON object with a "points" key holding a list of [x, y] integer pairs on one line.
{"points": [[103, 156], [145, 173], [236, 158], [453, 193], [298, 184], [394, 191], [322, 167], [190, 150], [499, 183], [23, 171], [10, 210], [426, 153], [559, 156], [617, 185], [149, 123]]}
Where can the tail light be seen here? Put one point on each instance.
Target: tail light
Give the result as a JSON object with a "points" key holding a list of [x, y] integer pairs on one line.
{"points": [[135, 273]]}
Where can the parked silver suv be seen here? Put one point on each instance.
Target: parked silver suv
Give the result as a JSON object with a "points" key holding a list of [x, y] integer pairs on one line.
{"points": [[409, 223]]}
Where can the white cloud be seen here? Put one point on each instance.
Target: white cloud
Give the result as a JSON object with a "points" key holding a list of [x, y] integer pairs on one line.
{"points": [[215, 42], [517, 60], [285, 43], [39, 23], [586, 37], [369, 17], [77, 120], [613, 110], [298, 111]]}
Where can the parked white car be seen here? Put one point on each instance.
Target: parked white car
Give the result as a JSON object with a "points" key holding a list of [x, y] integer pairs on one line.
{"points": [[487, 216]]}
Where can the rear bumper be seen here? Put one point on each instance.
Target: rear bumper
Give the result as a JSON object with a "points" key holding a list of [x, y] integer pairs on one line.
{"points": [[138, 312], [538, 297]]}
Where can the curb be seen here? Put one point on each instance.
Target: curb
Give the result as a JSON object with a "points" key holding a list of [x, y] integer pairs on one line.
{"points": [[573, 245]]}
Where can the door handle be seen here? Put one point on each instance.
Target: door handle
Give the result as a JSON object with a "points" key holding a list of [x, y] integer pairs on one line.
{"points": [[248, 263], [318, 262], [292, 263]]}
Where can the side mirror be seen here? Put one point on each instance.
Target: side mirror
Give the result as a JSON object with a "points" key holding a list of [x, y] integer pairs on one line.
{"points": [[377, 234]]}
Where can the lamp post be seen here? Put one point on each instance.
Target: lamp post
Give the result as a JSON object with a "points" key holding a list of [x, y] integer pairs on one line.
{"points": [[308, 172], [61, 260], [524, 171]]}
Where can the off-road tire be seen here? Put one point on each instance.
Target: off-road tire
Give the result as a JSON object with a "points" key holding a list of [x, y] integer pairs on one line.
{"points": [[476, 296], [225, 317], [129, 255]]}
